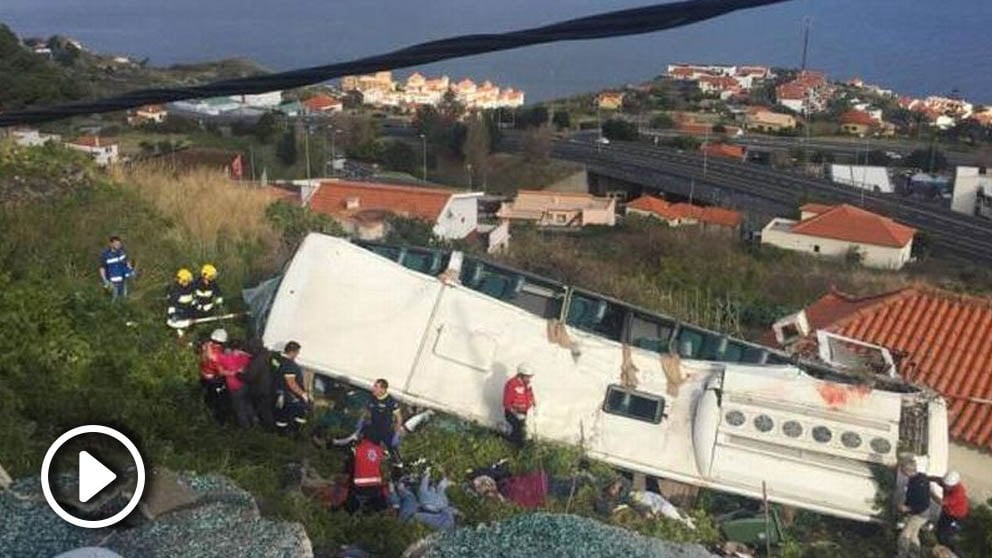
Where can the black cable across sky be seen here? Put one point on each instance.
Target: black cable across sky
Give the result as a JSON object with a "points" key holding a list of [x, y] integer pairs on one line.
{"points": [[620, 23]]}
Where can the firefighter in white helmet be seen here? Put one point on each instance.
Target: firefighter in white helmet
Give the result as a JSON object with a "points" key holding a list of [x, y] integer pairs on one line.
{"points": [[518, 400]]}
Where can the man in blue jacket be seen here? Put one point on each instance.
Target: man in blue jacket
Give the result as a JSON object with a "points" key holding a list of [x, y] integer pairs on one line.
{"points": [[916, 508], [115, 268]]}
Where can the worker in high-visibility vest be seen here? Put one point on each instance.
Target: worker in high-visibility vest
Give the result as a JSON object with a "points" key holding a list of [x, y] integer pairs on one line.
{"points": [[368, 488]]}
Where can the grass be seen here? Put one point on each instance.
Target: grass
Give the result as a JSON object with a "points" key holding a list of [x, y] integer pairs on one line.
{"points": [[506, 174]]}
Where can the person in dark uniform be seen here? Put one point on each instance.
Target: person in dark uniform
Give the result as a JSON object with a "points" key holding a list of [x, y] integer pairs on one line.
{"points": [[383, 420], [207, 292], [261, 376], [292, 398]]}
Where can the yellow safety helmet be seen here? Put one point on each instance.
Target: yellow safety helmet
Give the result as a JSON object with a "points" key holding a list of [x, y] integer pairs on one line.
{"points": [[208, 271], [184, 276]]}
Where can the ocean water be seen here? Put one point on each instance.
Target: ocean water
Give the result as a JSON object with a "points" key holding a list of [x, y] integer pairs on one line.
{"points": [[915, 47]]}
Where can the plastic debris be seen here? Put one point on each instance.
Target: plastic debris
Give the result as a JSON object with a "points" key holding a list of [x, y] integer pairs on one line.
{"points": [[224, 521], [554, 535]]}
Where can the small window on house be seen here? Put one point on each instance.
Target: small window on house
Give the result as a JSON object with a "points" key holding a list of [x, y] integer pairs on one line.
{"points": [[790, 331], [633, 404]]}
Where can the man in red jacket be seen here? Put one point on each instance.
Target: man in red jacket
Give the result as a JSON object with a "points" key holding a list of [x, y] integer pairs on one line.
{"points": [[518, 399], [953, 507]]}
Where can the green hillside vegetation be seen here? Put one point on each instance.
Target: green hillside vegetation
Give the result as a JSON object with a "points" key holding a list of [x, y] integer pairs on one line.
{"points": [[68, 356], [29, 79]]}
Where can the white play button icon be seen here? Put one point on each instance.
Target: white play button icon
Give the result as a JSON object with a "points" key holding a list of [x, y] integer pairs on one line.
{"points": [[93, 476]]}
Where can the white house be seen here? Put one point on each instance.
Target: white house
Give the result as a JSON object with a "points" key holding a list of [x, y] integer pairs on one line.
{"points": [[972, 191], [104, 151], [837, 231], [364, 208], [29, 137]]}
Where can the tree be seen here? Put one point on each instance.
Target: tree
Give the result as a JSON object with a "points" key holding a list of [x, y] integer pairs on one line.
{"points": [[685, 143], [619, 130], [531, 117], [476, 146], [662, 121], [930, 160], [286, 150], [537, 145], [400, 156], [449, 107], [352, 100], [265, 128], [561, 119]]}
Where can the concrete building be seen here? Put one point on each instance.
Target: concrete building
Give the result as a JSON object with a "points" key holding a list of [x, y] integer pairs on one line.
{"points": [[364, 209], [942, 340], [149, 113], [972, 191], [764, 120], [838, 231], [610, 100], [559, 209]]}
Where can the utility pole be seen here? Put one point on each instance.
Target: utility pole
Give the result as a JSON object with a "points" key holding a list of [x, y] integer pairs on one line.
{"points": [[306, 143], [468, 168], [423, 140], [706, 142]]}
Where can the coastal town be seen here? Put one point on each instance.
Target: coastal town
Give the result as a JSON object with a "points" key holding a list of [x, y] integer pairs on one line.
{"points": [[739, 215]]}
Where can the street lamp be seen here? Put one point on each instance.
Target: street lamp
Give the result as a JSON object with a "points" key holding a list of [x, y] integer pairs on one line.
{"points": [[468, 168], [423, 140]]}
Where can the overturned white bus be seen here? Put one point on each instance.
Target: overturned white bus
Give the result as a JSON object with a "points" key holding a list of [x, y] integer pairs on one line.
{"points": [[636, 389]]}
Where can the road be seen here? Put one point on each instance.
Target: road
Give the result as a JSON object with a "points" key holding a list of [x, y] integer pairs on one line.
{"points": [[950, 235]]}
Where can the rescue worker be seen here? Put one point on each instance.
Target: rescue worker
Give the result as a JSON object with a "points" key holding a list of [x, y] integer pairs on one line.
{"points": [[292, 400], [115, 268], [233, 364], [212, 375], [181, 297], [383, 420], [368, 488], [953, 508], [916, 506], [518, 399], [207, 295], [260, 377]]}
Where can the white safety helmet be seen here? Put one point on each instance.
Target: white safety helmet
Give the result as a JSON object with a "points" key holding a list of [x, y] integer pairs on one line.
{"points": [[524, 369], [952, 478], [219, 336]]}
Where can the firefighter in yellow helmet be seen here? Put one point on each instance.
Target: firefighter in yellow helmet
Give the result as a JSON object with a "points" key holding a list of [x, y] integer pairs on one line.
{"points": [[206, 293], [181, 296]]}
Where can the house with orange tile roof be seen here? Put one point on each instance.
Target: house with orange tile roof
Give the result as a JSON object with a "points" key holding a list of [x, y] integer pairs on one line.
{"points": [[841, 230], [364, 208], [857, 122], [724, 150], [940, 339], [763, 120], [147, 113], [322, 104], [610, 100], [559, 209], [102, 150], [715, 219]]}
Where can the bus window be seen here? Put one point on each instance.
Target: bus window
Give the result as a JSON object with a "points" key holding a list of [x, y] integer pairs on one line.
{"points": [[633, 404], [596, 315], [430, 262], [540, 297], [651, 333]]}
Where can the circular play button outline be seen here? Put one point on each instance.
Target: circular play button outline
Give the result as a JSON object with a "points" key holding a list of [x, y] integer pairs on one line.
{"points": [[79, 431]]}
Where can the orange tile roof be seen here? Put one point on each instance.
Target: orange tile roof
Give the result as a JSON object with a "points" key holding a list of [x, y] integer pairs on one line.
{"points": [[321, 102], [846, 222], [791, 90], [858, 117], [724, 150], [93, 141], [671, 211], [945, 339], [332, 197]]}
